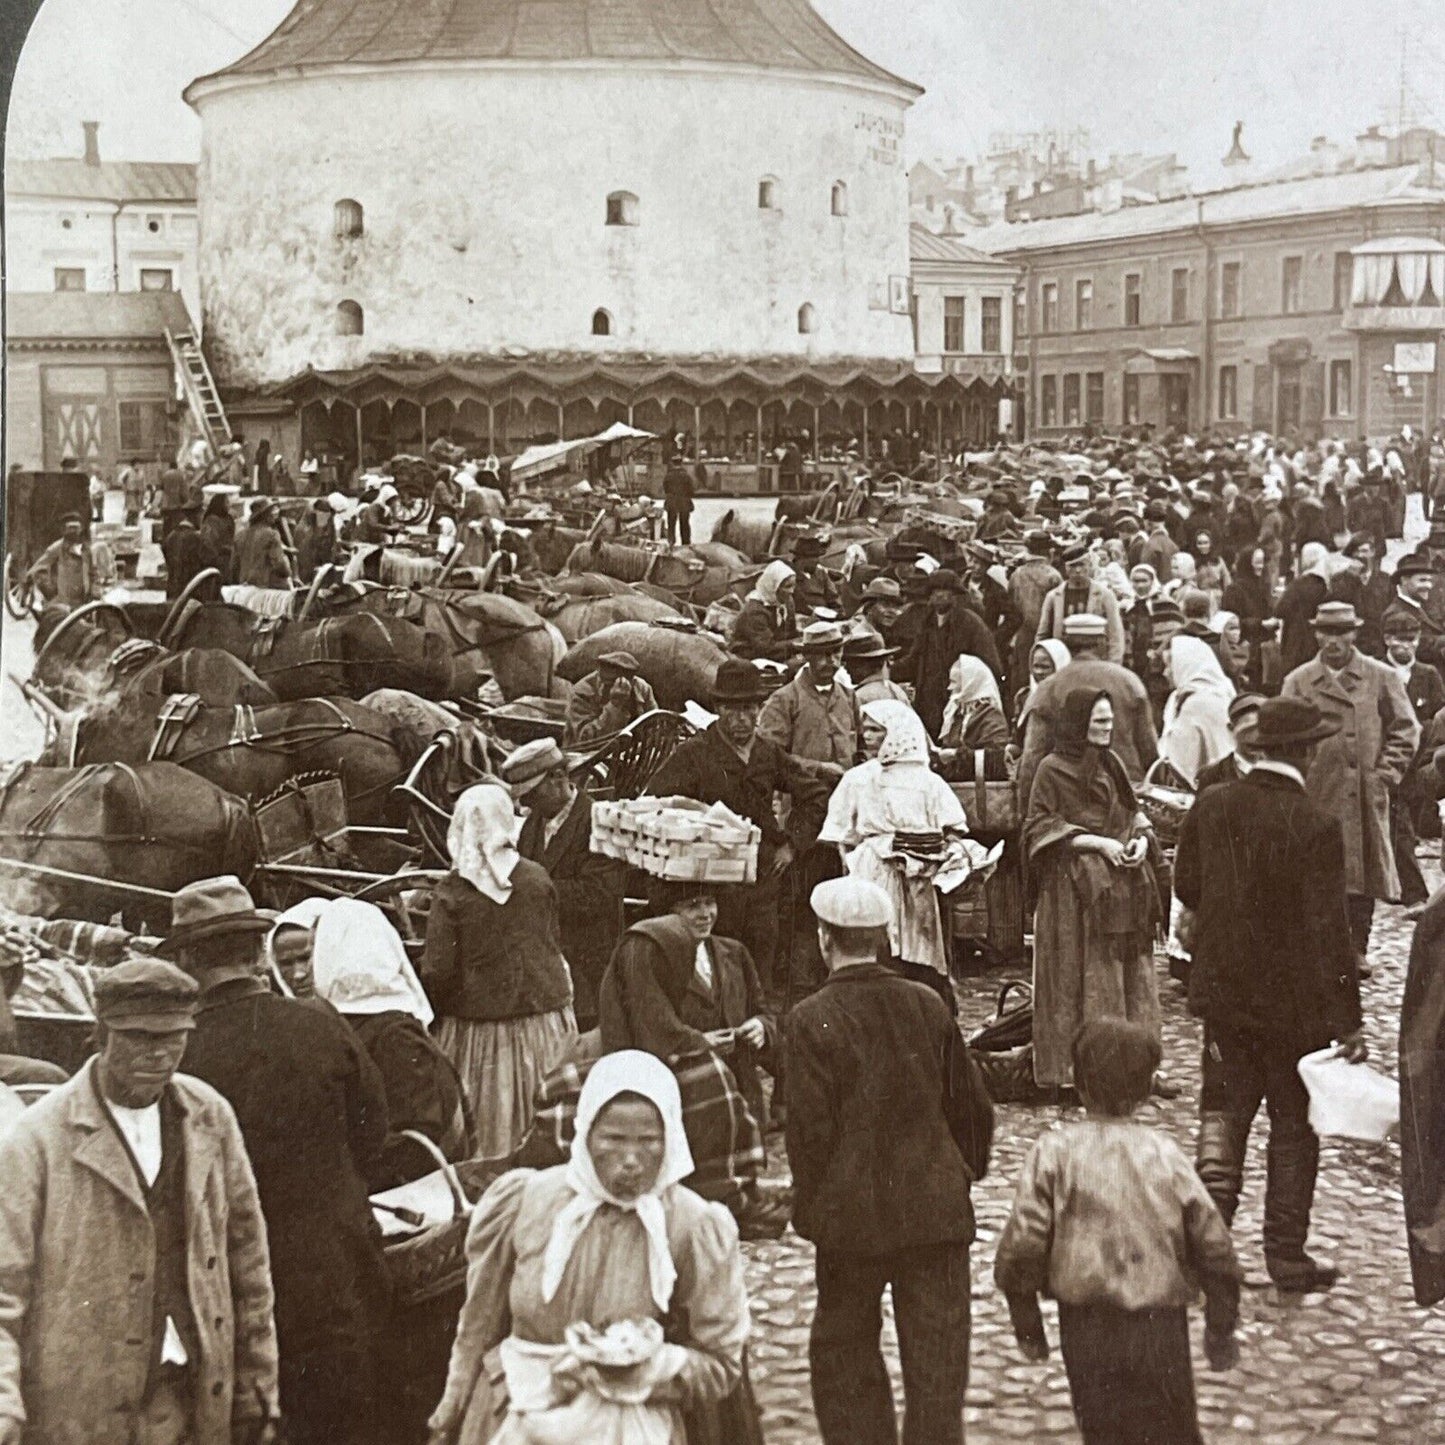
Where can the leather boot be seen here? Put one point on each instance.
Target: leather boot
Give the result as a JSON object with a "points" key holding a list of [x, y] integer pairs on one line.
{"points": [[1289, 1192], [1219, 1158]]}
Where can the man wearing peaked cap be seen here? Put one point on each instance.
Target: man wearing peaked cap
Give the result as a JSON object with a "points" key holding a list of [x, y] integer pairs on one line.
{"points": [[1079, 592], [814, 588], [884, 1204], [607, 700], [1353, 776], [1414, 587], [142, 1174], [1262, 867]]}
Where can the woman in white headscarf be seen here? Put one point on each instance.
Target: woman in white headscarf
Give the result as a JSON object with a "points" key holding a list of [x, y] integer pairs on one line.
{"points": [[1196, 717], [611, 1238], [494, 970], [896, 792], [360, 967], [973, 713], [766, 626]]}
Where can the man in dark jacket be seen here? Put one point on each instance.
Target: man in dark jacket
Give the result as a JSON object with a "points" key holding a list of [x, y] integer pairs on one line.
{"points": [[1413, 803], [186, 554], [947, 627], [558, 835], [1262, 868], [312, 1111], [1414, 582], [888, 1126], [677, 502], [730, 764]]}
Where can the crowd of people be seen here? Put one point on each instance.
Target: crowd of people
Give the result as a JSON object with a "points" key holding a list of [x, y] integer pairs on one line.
{"points": [[187, 1251]]}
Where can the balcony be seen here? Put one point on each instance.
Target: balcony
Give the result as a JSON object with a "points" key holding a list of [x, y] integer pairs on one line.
{"points": [[1397, 284]]}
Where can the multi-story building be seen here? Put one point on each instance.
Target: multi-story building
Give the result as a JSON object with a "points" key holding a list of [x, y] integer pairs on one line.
{"points": [[1308, 306], [84, 224]]}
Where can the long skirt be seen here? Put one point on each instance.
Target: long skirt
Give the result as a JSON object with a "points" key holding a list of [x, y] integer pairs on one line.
{"points": [[502, 1064], [1080, 974]]}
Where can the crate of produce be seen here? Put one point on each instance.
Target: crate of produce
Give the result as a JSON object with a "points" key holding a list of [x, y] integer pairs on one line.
{"points": [[677, 838]]}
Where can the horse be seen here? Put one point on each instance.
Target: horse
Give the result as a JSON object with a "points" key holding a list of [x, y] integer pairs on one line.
{"points": [[75, 837], [345, 656], [251, 751], [697, 574], [579, 617]]}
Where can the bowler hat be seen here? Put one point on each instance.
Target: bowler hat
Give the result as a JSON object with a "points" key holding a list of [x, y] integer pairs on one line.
{"points": [[211, 907], [1336, 617], [146, 994], [1413, 565], [809, 547], [1286, 722], [737, 681], [945, 579]]}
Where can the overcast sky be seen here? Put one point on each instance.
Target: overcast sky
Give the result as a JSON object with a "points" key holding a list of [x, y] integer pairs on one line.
{"points": [[1162, 75]]}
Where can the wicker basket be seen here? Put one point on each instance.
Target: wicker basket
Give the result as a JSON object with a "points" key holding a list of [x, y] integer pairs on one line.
{"points": [[677, 838], [1163, 805]]}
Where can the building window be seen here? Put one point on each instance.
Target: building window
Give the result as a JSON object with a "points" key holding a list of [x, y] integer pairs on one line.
{"points": [[1051, 306], [953, 316], [143, 428], [1083, 305], [157, 278], [601, 322], [1289, 290], [1229, 275], [1131, 400], [840, 198], [350, 320], [1341, 389], [1131, 299], [622, 209], [1179, 294], [1094, 396], [767, 194], [70, 278], [347, 220], [1344, 279], [1049, 400], [807, 318], [1228, 393], [1071, 399], [992, 340], [154, 224]]}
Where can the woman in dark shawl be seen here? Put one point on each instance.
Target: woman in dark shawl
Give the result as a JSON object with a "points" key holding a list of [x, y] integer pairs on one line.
{"points": [[1247, 596], [1422, 1103], [1098, 903]]}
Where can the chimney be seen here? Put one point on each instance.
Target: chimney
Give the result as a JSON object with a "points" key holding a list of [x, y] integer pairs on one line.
{"points": [[1010, 203], [1093, 171], [968, 191], [1372, 147], [92, 141]]}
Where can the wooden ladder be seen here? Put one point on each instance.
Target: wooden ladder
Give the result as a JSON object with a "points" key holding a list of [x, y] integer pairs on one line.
{"points": [[200, 388]]}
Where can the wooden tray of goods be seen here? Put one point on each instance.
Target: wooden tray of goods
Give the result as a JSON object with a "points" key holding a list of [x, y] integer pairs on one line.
{"points": [[956, 529], [677, 838]]}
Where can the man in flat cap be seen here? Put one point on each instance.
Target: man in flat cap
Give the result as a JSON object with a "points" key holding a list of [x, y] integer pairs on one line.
{"points": [[1081, 591], [814, 587], [606, 700], [1355, 772], [65, 571], [888, 1126], [135, 1286], [312, 1110], [557, 834]]}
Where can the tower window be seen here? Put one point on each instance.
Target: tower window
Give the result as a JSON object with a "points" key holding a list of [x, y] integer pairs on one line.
{"points": [[350, 319], [601, 322], [840, 198], [767, 194], [622, 208], [348, 220], [807, 318]]}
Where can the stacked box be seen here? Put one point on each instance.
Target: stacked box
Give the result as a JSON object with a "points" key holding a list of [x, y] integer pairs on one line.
{"points": [[677, 838]]}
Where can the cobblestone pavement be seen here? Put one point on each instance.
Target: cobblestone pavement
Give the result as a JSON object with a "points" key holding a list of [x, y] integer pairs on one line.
{"points": [[1362, 1362]]}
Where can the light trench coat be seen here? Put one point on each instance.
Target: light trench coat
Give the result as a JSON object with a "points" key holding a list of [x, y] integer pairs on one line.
{"points": [[1355, 771], [77, 1262]]}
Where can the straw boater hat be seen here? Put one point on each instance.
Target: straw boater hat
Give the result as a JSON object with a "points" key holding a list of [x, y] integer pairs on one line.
{"points": [[209, 908], [1287, 722]]}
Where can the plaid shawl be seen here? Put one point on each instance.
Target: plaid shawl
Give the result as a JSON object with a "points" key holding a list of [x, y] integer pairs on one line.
{"points": [[726, 1142]]}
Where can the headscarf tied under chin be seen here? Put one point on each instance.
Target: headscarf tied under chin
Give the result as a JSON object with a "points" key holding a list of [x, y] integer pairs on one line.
{"points": [[482, 840], [971, 684], [905, 739], [772, 577], [628, 1072]]}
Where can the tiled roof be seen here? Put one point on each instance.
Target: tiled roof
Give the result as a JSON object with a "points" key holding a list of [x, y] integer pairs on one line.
{"points": [[774, 34], [923, 245], [1313, 196], [93, 315], [108, 181]]}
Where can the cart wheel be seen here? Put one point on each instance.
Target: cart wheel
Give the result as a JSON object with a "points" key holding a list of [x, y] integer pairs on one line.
{"points": [[20, 599], [405, 898], [409, 508]]}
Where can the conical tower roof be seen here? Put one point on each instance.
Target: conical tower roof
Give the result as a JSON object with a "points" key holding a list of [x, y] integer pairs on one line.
{"points": [[787, 35]]}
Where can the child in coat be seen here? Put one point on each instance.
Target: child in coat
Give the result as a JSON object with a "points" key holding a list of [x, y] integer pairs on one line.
{"points": [[1111, 1220]]}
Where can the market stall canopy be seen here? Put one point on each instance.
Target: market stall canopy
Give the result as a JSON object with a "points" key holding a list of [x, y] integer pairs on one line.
{"points": [[538, 461]]}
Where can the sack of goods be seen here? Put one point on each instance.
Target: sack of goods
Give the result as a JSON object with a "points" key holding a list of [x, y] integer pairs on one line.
{"points": [[678, 838]]}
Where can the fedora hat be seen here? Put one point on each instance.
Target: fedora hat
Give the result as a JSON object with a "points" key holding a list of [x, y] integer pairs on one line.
{"points": [[882, 589], [1413, 565], [1336, 617], [737, 681], [210, 907], [867, 648], [821, 637], [1286, 722]]}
